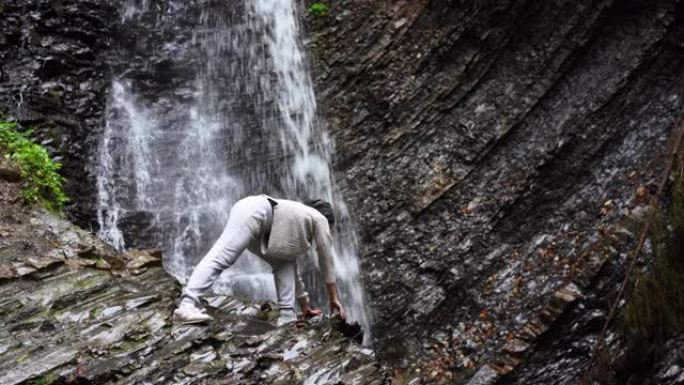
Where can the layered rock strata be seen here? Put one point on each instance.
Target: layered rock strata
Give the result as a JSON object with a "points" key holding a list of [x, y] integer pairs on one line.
{"points": [[491, 152], [72, 310]]}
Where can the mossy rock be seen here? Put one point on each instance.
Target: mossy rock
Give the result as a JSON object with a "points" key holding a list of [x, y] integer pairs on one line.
{"points": [[46, 379]]}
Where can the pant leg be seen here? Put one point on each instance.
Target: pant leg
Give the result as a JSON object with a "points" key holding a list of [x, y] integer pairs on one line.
{"points": [[244, 225], [284, 273], [300, 288]]}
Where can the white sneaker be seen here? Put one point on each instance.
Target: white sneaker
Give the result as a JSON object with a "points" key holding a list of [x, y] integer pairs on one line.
{"points": [[287, 316], [190, 314]]}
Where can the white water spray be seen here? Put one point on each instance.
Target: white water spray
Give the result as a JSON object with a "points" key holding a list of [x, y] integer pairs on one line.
{"points": [[302, 137]]}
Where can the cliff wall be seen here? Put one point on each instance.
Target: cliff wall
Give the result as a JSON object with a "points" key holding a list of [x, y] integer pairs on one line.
{"points": [[491, 152]]}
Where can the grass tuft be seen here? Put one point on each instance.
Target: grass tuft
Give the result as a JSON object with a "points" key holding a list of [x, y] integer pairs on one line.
{"points": [[319, 9]]}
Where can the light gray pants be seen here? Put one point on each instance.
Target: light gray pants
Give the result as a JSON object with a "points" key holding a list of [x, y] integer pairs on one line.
{"points": [[250, 219]]}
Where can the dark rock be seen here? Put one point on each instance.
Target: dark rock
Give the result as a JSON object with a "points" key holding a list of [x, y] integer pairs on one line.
{"points": [[485, 376], [352, 331], [10, 175], [453, 158], [103, 254], [137, 228], [39, 46], [138, 260], [52, 67]]}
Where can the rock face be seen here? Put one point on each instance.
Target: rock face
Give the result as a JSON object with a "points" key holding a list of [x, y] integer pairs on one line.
{"points": [[72, 310], [491, 151], [54, 78]]}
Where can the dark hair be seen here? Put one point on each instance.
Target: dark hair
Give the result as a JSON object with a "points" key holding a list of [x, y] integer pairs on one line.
{"points": [[324, 208]]}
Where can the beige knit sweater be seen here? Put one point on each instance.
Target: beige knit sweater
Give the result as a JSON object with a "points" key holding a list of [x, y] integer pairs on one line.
{"points": [[296, 227]]}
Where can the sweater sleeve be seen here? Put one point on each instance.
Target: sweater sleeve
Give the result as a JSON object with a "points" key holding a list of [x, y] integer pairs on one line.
{"points": [[324, 248]]}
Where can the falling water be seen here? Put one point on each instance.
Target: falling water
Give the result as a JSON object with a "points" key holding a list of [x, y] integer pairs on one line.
{"points": [[309, 173], [231, 113]]}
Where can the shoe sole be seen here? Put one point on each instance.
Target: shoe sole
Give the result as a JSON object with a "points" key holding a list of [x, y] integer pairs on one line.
{"points": [[190, 322]]}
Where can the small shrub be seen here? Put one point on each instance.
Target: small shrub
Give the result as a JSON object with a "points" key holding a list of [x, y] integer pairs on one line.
{"points": [[654, 311], [42, 182], [319, 8]]}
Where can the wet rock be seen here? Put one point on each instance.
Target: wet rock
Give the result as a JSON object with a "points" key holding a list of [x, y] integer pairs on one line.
{"points": [[516, 346], [137, 228], [7, 271], [352, 331], [668, 370], [23, 269], [361, 376], [205, 355], [139, 301], [51, 358], [484, 376], [263, 362], [672, 371], [37, 49], [139, 260], [73, 323], [557, 304], [51, 67], [43, 263], [445, 128], [101, 255], [295, 350]]}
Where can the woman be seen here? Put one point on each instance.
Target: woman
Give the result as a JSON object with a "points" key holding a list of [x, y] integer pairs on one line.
{"points": [[278, 231]]}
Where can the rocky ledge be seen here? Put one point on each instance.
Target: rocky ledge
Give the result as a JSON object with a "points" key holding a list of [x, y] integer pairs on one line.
{"points": [[73, 310]]}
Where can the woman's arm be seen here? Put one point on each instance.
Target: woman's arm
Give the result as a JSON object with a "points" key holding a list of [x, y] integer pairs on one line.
{"points": [[303, 297], [326, 261], [334, 299]]}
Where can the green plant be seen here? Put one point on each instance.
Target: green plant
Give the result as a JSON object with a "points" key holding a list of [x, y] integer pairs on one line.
{"points": [[42, 182], [319, 8]]}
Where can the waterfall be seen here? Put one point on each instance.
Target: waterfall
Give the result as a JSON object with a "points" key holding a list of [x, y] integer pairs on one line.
{"points": [[215, 104]]}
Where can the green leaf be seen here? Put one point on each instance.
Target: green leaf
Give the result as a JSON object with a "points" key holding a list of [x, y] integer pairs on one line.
{"points": [[319, 8]]}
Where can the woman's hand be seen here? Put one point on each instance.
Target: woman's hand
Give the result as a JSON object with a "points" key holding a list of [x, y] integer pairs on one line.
{"points": [[310, 312], [334, 299], [336, 307]]}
